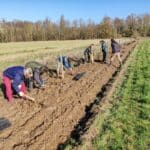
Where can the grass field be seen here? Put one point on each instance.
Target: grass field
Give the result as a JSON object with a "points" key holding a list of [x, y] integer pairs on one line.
{"points": [[20, 52], [128, 124]]}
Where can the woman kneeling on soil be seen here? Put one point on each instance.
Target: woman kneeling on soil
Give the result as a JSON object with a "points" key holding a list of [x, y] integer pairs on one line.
{"points": [[14, 78], [115, 51]]}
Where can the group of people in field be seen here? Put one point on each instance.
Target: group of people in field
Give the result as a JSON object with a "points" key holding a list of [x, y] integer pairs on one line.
{"points": [[18, 79], [89, 52]]}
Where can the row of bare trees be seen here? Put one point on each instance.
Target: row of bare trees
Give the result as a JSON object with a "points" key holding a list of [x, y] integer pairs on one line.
{"points": [[132, 26]]}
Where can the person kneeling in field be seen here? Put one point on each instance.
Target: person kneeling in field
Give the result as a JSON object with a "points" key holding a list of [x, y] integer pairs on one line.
{"points": [[115, 51], [36, 80], [14, 81], [64, 63], [104, 48], [89, 54]]}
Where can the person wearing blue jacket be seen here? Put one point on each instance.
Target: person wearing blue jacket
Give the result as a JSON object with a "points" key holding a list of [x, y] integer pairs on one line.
{"points": [[116, 48], [13, 79]]}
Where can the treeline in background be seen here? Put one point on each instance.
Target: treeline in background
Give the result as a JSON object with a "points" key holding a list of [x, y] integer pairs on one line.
{"points": [[132, 26]]}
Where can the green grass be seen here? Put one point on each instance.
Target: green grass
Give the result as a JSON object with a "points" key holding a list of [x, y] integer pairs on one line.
{"points": [[128, 124]]}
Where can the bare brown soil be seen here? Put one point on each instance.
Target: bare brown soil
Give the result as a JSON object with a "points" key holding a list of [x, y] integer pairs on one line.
{"points": [[46, 124]]}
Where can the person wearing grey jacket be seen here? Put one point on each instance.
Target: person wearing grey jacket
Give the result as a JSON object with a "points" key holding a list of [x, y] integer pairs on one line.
{"points": [[38, 69], [104, 48]]}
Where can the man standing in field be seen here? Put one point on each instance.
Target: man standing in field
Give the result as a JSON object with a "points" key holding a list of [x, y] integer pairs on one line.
{"points": [[104, 48], [115, 51], [89, 54], [14, 78]]}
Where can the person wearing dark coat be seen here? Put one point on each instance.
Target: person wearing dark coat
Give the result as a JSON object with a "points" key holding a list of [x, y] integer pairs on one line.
{"points": [[116, 48]]}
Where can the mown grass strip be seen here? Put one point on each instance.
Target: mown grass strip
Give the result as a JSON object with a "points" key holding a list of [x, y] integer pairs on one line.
{"points": [[128, 124]]}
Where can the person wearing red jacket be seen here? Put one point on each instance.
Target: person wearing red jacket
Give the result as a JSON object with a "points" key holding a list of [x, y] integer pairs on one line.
{"points": [[13, 79]]}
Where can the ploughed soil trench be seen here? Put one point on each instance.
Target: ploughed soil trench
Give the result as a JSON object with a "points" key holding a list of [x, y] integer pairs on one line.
{"points": [[47, 124]]}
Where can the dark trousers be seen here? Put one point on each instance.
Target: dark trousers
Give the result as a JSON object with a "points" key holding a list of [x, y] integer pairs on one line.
{"points": [[36, 80], [104, 56]]}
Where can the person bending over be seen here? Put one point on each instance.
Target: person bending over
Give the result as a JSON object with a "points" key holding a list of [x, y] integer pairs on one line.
{"points": [[14, 81]]}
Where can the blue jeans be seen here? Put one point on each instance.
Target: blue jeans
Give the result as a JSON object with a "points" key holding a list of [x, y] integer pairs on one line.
{"points": [[65, 62]]}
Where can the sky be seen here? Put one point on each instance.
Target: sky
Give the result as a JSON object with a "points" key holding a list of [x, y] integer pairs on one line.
{"points": [[34, 10]]}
